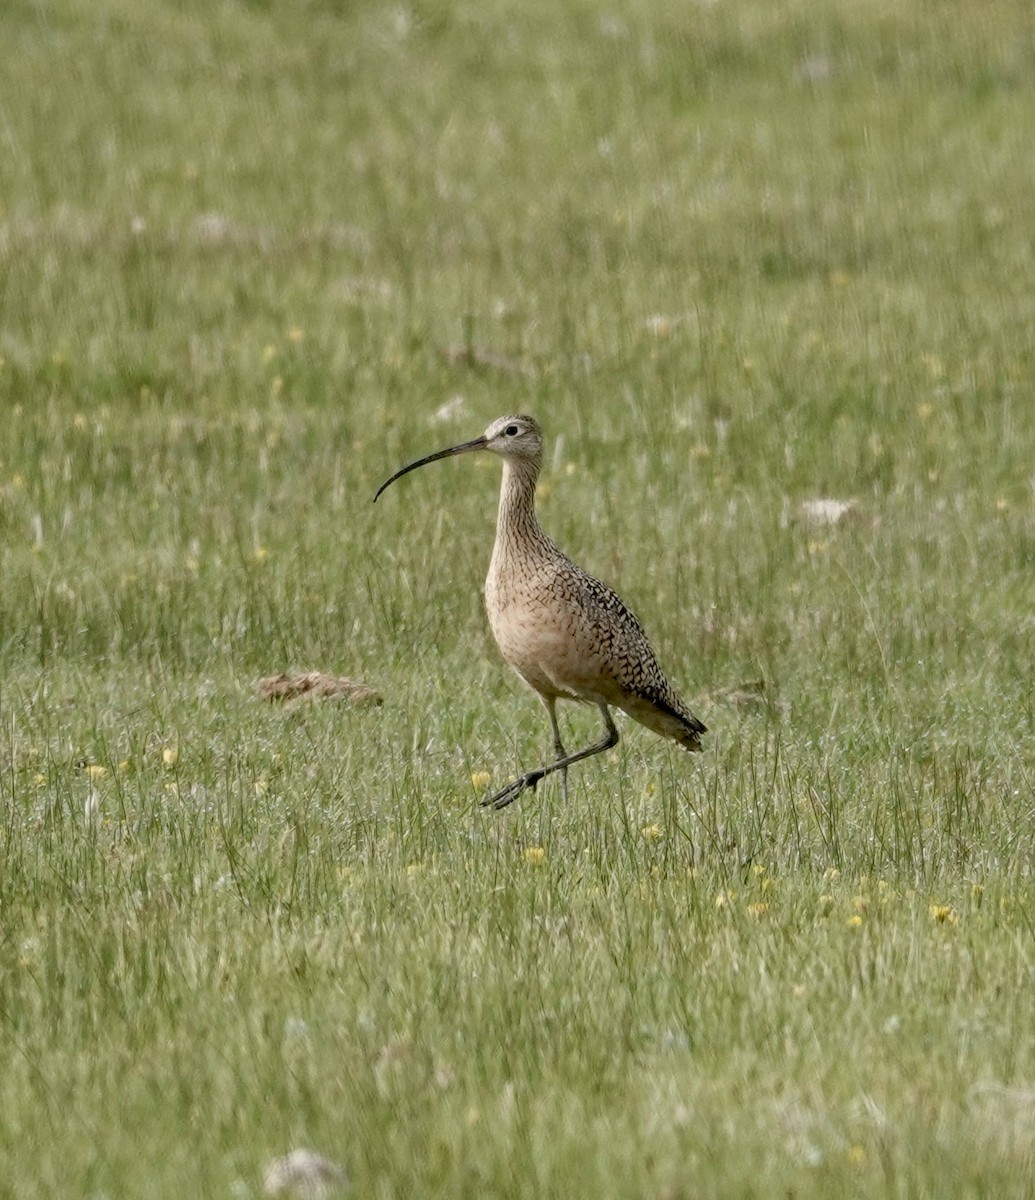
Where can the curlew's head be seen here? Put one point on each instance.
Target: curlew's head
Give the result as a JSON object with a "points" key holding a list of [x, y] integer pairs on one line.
{"points": [[513, 437]]}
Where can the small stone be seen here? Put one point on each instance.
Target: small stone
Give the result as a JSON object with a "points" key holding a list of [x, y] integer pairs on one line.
{"points": [[825, 512], [305, 1173]]}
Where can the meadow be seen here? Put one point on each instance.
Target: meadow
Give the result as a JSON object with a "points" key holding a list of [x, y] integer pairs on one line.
{"points": [[736, 257]]}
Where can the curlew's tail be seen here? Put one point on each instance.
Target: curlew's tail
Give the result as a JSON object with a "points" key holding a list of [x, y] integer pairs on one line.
{"points": [[679, 724], [689, 736]]}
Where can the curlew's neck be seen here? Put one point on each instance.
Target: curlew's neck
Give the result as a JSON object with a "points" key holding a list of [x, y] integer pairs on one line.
{"points": [[517, 526]]}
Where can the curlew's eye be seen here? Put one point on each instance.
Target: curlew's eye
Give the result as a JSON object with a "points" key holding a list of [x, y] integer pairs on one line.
{"points": [[512, 431]]}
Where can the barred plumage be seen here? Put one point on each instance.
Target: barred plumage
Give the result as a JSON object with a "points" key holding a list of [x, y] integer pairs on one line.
{"points": [[569, 636]]}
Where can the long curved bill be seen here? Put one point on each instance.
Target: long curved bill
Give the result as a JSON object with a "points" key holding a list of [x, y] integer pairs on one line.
{"points": [[463, 448]]}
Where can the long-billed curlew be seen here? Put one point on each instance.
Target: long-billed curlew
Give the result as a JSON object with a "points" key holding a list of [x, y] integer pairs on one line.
{"points": [[566, 634]]}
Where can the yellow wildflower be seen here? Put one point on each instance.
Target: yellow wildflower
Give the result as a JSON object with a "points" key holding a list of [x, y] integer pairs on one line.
{"points": [[944, 914], [535, 855], [481, 779]]}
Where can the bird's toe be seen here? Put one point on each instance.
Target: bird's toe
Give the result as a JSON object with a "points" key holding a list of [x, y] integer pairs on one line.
{"points": [[511, 792]]}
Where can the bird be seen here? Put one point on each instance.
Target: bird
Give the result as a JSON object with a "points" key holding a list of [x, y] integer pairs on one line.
{"points": [[565, 633]]}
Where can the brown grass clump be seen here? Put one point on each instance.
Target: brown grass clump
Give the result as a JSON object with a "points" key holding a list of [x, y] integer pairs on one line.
{"points": [[292, 686]]}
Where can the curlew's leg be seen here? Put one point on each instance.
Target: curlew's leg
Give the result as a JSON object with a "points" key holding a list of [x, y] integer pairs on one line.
{"points": [[558, 745], [530, 778]]}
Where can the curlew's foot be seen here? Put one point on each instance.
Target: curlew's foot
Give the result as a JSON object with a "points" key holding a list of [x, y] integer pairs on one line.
{"points": [[511, 792]]}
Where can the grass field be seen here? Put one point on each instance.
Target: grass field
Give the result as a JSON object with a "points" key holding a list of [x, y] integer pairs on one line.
{"points": [[736, 257]]}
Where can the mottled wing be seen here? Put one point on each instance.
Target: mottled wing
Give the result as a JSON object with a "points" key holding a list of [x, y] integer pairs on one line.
{"points": [[629, 654]]}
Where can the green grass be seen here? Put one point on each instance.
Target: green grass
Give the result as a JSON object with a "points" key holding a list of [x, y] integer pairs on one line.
{"points": [[734, 257]]}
